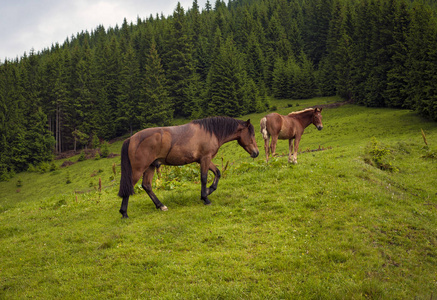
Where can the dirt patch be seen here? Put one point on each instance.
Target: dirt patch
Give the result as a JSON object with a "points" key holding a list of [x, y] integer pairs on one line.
{"points": [[66, 154], [67, 163]]}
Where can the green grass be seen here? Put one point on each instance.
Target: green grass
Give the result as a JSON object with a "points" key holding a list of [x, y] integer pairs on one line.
{"points": [[330, 227]]}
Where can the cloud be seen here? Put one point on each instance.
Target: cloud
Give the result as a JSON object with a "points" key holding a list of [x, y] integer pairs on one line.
{"points": [[27, 24]]}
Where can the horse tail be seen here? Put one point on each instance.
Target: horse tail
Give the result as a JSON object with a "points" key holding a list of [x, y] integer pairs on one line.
{"points": [[263, 124], [126, 186]]}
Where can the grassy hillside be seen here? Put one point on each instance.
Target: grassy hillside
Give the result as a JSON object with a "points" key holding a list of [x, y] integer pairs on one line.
{"points": [[357, 220]]}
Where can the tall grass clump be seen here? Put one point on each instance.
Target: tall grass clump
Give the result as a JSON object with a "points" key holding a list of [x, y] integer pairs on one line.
{"points": [[379, 156]]}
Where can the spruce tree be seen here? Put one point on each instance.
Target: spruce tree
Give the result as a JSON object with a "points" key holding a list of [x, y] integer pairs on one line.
{"points": [[79, 110], [56, 91], [180, 65], [421, 63], [317, 15], [155, 105], [361, 64], [227, 83], [304, 84], [12, 123], [110, 80], [129, 91], [282, 79], [395, 92]]}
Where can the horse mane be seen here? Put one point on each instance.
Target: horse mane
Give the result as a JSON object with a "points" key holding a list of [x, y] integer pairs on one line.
{"points": [[301, 111], [221, 127]]}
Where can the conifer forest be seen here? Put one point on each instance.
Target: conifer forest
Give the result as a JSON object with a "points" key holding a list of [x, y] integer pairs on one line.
{"points": [[221, 59]]}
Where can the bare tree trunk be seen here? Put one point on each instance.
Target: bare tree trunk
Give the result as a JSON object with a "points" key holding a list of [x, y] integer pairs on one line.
{"points": [[57, 130]]}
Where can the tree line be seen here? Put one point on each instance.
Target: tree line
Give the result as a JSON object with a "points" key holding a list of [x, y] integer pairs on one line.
{"points": [[226, 59]]}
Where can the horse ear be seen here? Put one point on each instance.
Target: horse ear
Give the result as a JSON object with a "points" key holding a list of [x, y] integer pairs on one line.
{"points": [[248, 122]]}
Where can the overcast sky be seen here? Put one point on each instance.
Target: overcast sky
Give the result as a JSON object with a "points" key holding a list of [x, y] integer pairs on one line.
{"points": [[37, 24]]}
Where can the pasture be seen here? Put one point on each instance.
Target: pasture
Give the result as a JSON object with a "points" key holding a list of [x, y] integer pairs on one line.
{"points": [[355, 220]]}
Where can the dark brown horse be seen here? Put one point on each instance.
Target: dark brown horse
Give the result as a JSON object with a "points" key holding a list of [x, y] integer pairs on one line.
{"points": [[288, 127], [197, 141]]}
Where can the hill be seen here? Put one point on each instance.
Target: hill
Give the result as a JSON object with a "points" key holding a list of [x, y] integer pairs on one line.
{"points": [[356, 220]]}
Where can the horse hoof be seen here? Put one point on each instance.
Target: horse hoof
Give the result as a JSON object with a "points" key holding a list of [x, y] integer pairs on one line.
{"points": [[124, 217], [163, 208]]}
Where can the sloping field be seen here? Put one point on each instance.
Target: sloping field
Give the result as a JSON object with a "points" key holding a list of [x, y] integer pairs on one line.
{"points": [[356, 219]]}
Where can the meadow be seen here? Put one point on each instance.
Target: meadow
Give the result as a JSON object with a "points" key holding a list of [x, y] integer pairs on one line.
{"points": [[356, 219]]}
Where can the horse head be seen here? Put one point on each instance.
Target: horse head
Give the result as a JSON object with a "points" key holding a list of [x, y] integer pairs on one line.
{"points": [[317, 118], [246, 138]]}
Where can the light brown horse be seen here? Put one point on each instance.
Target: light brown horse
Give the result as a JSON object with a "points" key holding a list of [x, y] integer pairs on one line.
{"points": [[197, 141], [288, 127]]}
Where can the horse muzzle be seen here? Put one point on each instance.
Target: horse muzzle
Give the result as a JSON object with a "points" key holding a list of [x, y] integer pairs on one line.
{"points": [[319, 127], [254, 154]]}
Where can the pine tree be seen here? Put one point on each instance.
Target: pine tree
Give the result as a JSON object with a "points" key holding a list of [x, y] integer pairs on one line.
{"points": [[129, 91], [277, 38], [281, 83], [361, 63], [328, 66], [395, 92], [255, 62], [227, 83], [337, 63], [55, 91], [317, 15], [344, 84], [39, 140], [180, 65], [110, 80], [12, 124], [304, 84], [79, 110], [421, 63], [30, 84], [105, 116], [155, 105]]}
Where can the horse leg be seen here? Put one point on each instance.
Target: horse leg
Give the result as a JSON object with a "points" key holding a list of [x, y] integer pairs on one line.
{"points": [[273, 145], [296, 148], [123, 208], [147, 186], [266, 148], [213, 168], [290, 150], [204, 168]]}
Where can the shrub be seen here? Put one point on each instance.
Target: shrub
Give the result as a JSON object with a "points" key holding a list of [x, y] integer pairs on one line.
{"points": [[43, 167], [95, 142], [53, 166], [81, 156], [430, 154], [68, 179], [104, 150], [378, 155]]}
